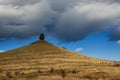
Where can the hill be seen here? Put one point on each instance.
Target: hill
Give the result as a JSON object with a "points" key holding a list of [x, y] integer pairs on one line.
{"points": [[42, 60]]}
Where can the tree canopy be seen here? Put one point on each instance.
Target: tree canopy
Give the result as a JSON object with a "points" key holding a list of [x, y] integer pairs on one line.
{"points": [[41, 37]]}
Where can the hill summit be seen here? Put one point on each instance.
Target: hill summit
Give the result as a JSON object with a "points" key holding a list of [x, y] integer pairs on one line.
{"points": [[42, 55]]}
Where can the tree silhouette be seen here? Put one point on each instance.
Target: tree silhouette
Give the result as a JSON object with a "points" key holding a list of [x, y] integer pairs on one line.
{"points": [[41, 37]]}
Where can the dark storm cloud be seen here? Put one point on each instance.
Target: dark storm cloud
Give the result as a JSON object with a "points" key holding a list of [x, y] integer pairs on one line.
{"points": [[115, 35], [67, 20], [26, 21]]}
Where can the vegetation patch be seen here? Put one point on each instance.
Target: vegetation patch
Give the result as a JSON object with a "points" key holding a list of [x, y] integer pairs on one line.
{"points": [[97, 75]]}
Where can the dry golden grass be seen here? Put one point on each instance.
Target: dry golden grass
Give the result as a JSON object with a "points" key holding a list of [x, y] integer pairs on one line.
{"points": [[34, 62]]}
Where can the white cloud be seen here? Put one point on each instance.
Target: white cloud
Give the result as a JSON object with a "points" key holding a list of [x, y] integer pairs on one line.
{"points": [[67, 20], [99, 10], [85, 18], [79, 49], [118, 42], [2, 51]]}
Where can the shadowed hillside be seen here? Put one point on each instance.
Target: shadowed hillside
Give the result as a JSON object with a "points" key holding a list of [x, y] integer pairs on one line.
{"points": [[42, 60]]}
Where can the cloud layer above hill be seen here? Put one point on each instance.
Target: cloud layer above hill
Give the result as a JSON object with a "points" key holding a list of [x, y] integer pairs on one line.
{"points": [[67, 20]]}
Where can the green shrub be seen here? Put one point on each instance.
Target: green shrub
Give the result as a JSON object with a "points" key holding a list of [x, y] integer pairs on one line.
{"points": [[74, 71], [116, 65], [51, 70], [62, 72], [9, 75], [39, 71], [17, 73], [1, 70]]}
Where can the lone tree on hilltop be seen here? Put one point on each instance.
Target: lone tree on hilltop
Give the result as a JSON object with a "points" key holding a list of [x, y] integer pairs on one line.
{"points": [[41, 37]]}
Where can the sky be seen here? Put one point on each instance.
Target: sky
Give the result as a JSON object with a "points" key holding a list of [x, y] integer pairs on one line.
{"points": [[90, 27]]}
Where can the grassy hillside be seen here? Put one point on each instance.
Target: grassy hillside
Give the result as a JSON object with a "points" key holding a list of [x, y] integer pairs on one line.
{"points": [[44, 61]]}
